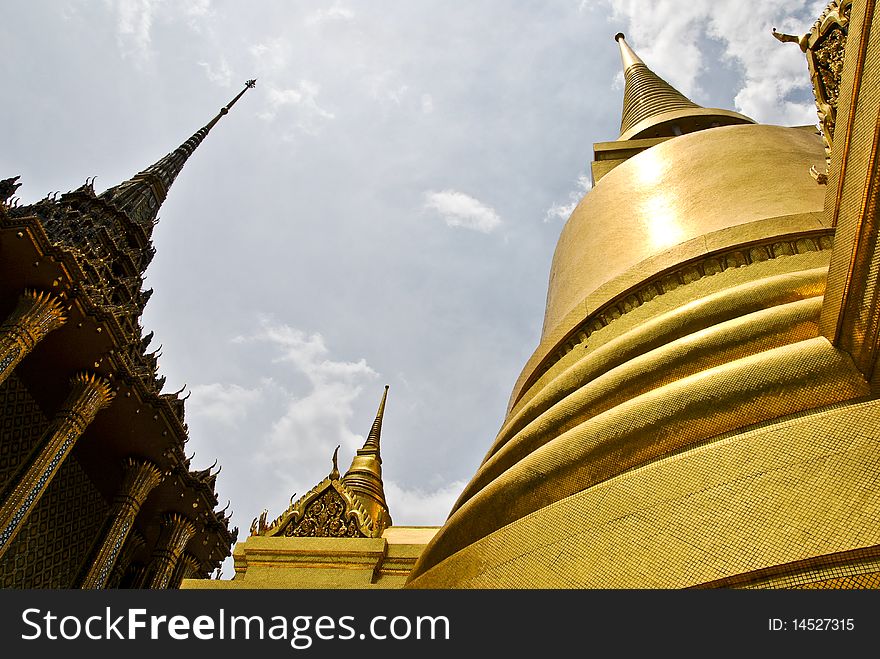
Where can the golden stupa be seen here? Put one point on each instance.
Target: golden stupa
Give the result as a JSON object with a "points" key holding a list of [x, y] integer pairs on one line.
{"points": [[701, 409]]}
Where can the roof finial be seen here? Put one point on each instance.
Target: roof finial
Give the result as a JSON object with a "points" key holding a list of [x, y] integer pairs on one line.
{"points": [[334, 473], [141, 196], [372, 442]]}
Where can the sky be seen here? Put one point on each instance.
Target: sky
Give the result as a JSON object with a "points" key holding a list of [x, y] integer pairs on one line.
{"points": [[381, 209]]}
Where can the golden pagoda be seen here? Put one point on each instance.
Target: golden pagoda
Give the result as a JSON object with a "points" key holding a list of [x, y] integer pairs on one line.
{"points": [[701, 410], [95, 488], [339, 534]]}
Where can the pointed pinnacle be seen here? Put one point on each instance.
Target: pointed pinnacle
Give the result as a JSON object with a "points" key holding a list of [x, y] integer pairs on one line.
{"points": [[141, 196], [376, 430], [334, 473]]}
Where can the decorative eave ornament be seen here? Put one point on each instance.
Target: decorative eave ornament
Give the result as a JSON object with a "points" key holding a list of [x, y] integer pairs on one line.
{"points": [[824, 47]]}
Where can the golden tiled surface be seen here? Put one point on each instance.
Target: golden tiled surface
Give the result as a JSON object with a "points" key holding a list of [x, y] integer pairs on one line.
{"points": [[670, 418], [665, 365], [850, 317], [680, 313], [669, 194], [782, 492], [859, 568], [729, 242]]}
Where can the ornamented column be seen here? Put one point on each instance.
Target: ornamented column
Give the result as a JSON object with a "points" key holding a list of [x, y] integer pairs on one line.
{"points": [[36, 315], [188, 567], [176, 532], [139, 480], [89, 394], [135, 544]]}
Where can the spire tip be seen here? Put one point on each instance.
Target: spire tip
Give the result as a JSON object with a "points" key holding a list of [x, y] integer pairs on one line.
{"points": [[619, 36]]}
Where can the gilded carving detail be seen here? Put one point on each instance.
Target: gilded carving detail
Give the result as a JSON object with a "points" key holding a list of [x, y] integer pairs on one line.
{"points": [[328, 510], [824, 47], [177, 532], [139, 480], [324, 518]]}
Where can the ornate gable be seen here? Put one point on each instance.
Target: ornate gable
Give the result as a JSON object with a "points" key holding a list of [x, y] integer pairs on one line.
{"points": [[328, 510]]}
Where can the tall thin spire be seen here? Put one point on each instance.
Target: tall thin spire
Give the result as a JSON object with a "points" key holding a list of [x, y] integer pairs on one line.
{"points": [[654, 108], [141, 196], [372, 442], [364, 477]]}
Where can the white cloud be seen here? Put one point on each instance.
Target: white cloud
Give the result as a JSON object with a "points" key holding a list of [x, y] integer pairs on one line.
{"points": [[562, 211], [335, 13], [427, 104], [271, 56], [134, 21], [222, 75], [308, 353], [226, 404], [195, 7], [307, 427], [461, 210], [418, 507], [385, 86], [302, 101]]}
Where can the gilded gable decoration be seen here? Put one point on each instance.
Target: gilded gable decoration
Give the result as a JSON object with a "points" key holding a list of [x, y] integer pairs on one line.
{"points": [[328, 510], [824, 47]]}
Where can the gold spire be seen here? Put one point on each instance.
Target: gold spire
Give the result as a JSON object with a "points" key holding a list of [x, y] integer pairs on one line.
{"points": [[364, 477], [140, 196], [654, 108]]}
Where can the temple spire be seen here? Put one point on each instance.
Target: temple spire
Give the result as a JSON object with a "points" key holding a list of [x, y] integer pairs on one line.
{"points": [[646, 95], [372, 442], [654, 108], [364, 477], [141, 196]]}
